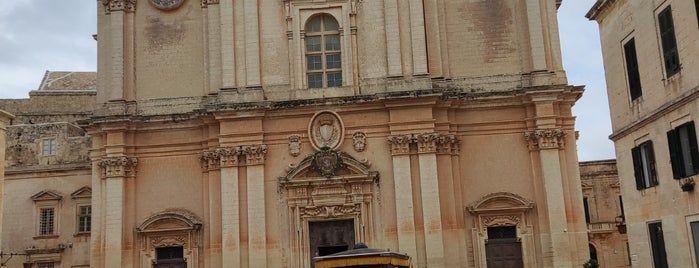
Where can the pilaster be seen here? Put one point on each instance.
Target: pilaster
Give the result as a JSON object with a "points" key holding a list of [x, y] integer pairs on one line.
{"points": [[405, 215], [114, 170], [395, 67], [547, 143], [257, 222], [429, 188], [230, 204]]}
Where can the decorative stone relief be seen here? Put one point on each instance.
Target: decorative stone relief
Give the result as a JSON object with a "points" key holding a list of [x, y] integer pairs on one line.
{"points": [[255, 154], [500, 220], [166, 4], [400, 144], [545, 138], [327, 162], [359, 141], [330, 211], [168, 241], [326, 130], [119, 5], [206, 3], [210, 160], [295, 145], [120, 166], [229, 156]]}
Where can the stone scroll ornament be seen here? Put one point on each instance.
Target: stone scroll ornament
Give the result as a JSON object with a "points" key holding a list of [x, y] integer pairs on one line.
{"points": [[166, 4], [326, 130]]}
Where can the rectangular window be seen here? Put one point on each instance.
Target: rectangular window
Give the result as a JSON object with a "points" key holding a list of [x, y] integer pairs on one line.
{"points": [[45, 265], [657, 245], [334, 79], [632, 69], [644, 165], [586, 206], [48, 147], [668, 41], [696, 7], [695, 237], [621, 207], [684, 155], [46, 221], [315, 80], [84, 218]]}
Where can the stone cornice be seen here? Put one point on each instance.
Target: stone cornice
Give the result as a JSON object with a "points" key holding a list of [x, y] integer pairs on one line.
{"points": [[549, 138], [118, 166], [661, 111], [119, 5]]}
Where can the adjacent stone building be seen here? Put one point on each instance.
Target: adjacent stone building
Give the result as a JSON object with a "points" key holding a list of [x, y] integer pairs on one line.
{"points": [[604, 213], [264, 133], [650, 57]]}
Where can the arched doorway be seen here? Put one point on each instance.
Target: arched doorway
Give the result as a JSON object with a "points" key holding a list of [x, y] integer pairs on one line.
{"points": [[593, 252]]}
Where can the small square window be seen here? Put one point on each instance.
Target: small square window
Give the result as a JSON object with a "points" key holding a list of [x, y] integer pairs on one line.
{"points": [[315, 62], [333, 61], [48, 147], [313, 43], [332, 42]]}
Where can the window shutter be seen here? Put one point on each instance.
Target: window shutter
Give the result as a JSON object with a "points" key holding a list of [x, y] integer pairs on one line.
{"points": [[637, 167], [694, 151], [673, 143], [651, 162]]}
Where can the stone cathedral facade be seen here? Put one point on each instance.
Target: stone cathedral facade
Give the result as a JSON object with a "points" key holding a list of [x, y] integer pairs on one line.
{"points": [[262, 133]]}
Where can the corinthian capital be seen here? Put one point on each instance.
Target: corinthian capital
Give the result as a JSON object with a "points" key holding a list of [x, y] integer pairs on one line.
{"points": [[400, 144], [210, 160], [427, 142], [549, 138], [229, 156], [119, 166], [255, 154], [119, 5]]}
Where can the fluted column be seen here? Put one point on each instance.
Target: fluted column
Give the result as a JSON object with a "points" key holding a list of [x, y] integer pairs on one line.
{"points": [[257, 222], [230, 205], [114, 170], [405, 214], [429, 189]]}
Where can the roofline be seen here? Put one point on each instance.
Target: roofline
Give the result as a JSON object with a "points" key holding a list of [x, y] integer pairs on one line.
{"points": [[597, 9]]}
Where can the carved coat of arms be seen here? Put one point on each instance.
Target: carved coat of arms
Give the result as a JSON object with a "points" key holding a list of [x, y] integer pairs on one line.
{"points": [[326, 130], [327, 162]]}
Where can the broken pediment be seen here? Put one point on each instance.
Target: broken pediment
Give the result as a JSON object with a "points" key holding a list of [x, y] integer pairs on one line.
{"points": [[500, 201], [83, 192], [170, 220], [328, 164], [46, 195]]}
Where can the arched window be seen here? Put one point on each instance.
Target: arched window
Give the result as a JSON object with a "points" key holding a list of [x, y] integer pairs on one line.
{"points": [[323, 61]]}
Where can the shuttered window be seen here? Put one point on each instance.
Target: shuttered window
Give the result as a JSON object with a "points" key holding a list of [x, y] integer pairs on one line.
{"points": [[684, 155], [632, 69], [669, 43], [644, 165]]}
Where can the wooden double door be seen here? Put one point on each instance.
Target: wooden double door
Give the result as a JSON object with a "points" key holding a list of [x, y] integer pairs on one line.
{"points": [[329, 237], [503, 249]]}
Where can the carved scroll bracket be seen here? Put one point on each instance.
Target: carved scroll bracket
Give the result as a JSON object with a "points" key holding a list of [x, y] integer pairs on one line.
{"points": [[120, 166]]}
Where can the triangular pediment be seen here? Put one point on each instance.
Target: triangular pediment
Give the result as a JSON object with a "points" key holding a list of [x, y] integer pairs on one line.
{"points": [[47, 195], [84, 192]]}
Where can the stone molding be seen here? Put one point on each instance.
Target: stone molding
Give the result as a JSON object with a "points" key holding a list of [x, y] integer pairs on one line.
{"points": [[118, 166], [424, 143], [233, 156], [500, 220], [119, 5], [549, 138]]}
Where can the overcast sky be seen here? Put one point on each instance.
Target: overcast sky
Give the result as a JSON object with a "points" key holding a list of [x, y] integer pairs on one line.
{"points": [[40, 35]]}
